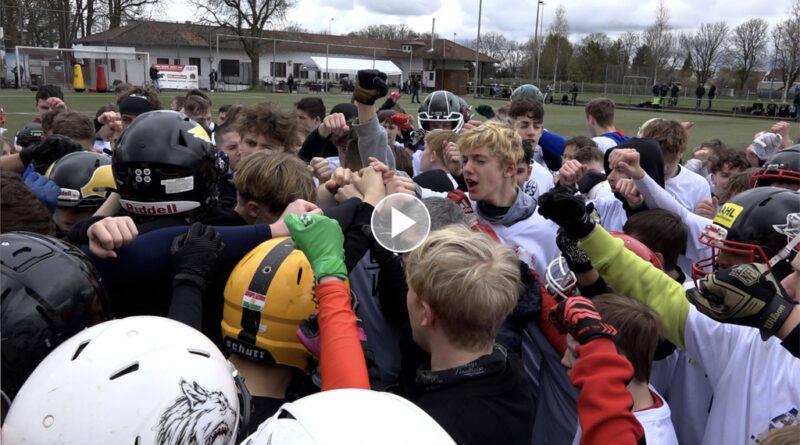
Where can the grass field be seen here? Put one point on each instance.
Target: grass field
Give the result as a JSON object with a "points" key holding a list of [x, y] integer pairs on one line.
{"points": [[566, 120]]}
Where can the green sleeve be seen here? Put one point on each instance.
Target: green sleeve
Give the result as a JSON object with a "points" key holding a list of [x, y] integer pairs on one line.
{"points": [[632, 276]]}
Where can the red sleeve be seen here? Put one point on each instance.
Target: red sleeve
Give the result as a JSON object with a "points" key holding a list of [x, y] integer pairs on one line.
{"points": [[342, 363], [604, 403], [556, 339]]}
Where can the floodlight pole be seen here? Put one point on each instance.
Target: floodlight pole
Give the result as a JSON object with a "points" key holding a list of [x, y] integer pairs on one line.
{"points": [[477, 49], [538, 47], [19, 72]]}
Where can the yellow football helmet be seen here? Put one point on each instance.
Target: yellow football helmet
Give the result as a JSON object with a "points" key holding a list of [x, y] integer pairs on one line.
{"points": [[267, 295]]}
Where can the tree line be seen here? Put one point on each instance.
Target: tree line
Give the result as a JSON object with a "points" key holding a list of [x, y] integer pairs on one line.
{"points": [[715, 52]]}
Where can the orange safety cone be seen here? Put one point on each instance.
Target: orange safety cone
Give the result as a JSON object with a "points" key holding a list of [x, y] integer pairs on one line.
{"points": [[101, 80], [77, 79]]}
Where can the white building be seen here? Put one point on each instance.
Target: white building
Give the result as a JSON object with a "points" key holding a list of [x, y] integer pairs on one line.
{"points": [[309, 58]]}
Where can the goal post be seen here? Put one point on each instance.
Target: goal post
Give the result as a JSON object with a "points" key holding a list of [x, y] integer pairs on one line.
{"points": [[636, 86], [54, 66]]}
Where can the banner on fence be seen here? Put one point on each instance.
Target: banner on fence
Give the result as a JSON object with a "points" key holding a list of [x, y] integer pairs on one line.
{"points": [[178, 77]]}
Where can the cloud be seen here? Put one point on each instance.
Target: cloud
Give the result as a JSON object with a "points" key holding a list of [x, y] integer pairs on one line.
{"points": [[401, 8]]}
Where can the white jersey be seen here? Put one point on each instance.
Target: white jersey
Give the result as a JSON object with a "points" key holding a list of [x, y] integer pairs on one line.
{"points": [[604, 143], [756, 383], [535, 236], [415, 160], [612, 214], [656, 422], [657, 198], [688, 188], [540, 182], [684, 384]]}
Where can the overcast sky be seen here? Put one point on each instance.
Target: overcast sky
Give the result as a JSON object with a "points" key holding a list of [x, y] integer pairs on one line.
{"points": [[513, 18]]}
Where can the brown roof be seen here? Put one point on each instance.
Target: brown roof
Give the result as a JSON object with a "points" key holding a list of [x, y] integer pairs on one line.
{"points": [[147, 33]]}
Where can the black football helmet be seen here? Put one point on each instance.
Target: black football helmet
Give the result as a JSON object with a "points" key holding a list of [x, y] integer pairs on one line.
{"points": [[50, 291], [440, 106], [165, 164], [750, 224], [30, 134], [783, 166], [84, 177]]}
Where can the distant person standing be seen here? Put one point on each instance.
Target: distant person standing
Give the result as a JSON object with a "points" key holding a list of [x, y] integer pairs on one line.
{"points": [[212, 80], [290, 83], [154, 77], [673, 95], [712, 93], [574, 93], [700, 92], [415, 90], [664, 91]]}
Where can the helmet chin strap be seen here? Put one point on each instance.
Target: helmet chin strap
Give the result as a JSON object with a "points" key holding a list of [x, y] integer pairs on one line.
{"points": [[785, 252]]}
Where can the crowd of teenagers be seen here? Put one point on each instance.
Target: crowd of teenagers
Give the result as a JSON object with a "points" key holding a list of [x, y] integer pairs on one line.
{"points": [[171, 279]]}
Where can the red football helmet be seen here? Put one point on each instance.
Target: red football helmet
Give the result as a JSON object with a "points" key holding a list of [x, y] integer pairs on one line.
{"points": [[637, 247]]}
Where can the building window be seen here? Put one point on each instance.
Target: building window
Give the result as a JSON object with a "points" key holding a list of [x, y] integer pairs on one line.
{"points": [[406, 48], [326, 76], [113, 65], [278, 69], [177, 61], [196, 62], [229, 68], [162, 61], [297, 68], [303, 74]]}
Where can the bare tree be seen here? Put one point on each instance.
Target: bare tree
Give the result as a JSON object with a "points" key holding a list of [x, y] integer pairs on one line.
{"points": [[661, 41], [118, 10], [628, 43], [557, 49], [748, 43], [247, 19], [786, 38], [706, 47], [386, 32], [494, 45]]}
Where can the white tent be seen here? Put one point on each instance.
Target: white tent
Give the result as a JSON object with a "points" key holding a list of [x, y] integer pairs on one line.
{"points": [[351, 66]]}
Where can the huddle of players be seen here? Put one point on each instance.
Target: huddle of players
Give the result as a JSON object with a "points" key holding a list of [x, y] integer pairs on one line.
{"points": [[287, 300]]}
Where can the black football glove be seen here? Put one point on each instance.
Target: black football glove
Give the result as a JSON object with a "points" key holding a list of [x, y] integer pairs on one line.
{"points": [[745, 294], [577, 260], [486, 111], [370, 86], [195, 254], [48, 151], [568, 210]]}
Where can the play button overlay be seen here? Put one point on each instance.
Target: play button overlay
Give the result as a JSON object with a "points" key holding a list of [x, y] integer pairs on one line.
{"points": [[400, 222]]}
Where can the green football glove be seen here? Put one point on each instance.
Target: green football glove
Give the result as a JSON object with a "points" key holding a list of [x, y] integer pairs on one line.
{"points": [[370, 86], [321, 239], [747, 295]]}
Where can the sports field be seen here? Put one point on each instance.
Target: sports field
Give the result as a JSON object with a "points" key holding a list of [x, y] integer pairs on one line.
{"points": [[566, 120]]}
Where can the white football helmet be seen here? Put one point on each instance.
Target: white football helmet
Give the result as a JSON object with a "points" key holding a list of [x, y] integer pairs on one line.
{"points": [[560, 281], [138, 380], [354, 416]]}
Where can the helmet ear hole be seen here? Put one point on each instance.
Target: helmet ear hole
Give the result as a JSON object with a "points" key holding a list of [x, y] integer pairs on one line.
{"points": [[133, 367], [182, 140]]}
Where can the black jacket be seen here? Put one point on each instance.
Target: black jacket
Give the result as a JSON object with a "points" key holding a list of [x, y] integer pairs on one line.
{"points": [[483, 402]]}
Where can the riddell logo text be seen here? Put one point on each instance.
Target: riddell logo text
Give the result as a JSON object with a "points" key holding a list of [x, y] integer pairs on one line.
{"points": [[168, 209]]}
